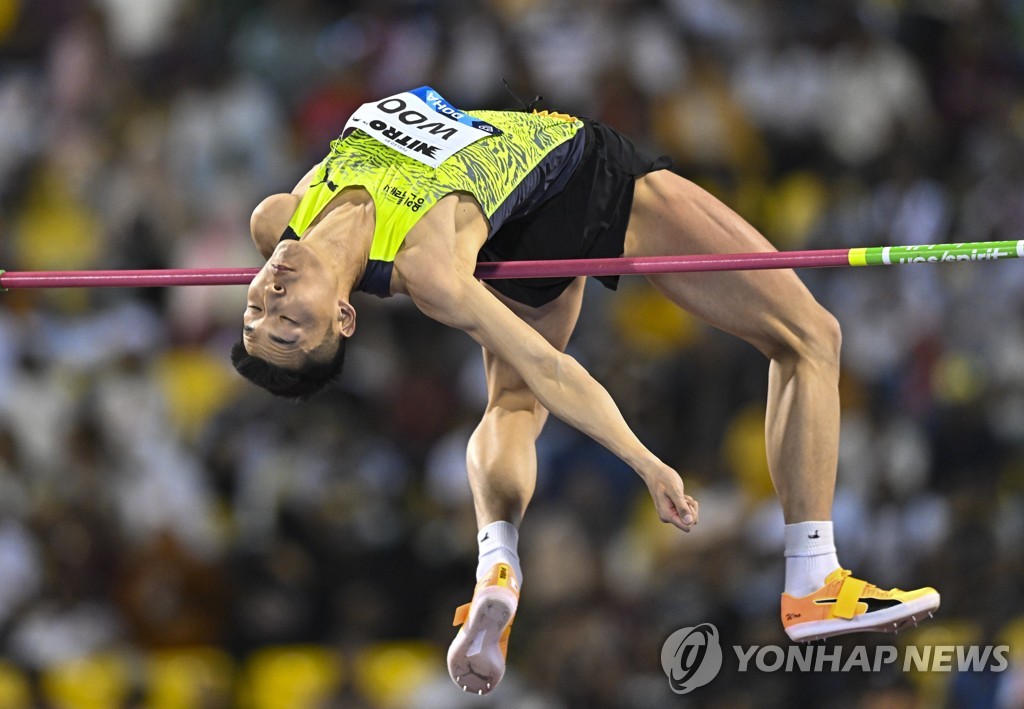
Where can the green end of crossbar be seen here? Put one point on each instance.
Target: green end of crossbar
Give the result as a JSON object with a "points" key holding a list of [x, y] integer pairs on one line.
{"points": [[968, 251], [2, 289]]}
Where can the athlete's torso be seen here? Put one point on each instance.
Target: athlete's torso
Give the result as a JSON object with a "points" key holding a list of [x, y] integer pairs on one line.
{"points": [[403, 189]]}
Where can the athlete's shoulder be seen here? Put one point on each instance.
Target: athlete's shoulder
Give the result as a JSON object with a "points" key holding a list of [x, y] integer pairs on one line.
{"points": [[520, 126], [531, 117]]}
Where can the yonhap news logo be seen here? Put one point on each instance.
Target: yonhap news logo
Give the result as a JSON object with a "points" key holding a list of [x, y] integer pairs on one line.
{"points": [[692, 657]]}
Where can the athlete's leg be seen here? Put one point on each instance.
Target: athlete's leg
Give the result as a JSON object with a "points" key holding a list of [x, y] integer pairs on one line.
{"points": [[502, 462], [502, 456], [773, 311]]}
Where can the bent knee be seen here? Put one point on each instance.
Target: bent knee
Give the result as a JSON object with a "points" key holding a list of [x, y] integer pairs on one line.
{"points": [[813, 335], [518, 404]]}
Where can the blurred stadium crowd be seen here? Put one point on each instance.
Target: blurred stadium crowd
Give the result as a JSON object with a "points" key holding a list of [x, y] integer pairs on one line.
{"points": [[172, 537]]}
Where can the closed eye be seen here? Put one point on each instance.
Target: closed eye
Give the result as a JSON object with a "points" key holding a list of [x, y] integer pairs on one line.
{"points": [[281, 340]]}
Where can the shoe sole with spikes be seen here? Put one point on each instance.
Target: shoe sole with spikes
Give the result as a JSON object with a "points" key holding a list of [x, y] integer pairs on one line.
{"points": [[890, 620], [476, 660]]}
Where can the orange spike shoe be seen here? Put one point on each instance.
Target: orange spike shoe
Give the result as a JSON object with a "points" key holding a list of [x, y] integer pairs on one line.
{"points": [[476, 658], [848, 605]]}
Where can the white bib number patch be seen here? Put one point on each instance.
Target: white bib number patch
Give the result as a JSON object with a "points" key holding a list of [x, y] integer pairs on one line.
{"points": [[420, 124]]}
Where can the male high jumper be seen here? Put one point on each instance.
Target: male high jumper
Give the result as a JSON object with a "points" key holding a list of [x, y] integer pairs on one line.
{"points": [[407, 201]]}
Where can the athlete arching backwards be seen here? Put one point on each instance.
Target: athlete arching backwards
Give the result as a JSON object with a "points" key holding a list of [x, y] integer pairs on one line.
{"points": [[405, 203]]}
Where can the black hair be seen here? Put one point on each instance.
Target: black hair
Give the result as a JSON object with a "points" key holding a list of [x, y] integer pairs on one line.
{"points": [[298, 384]]}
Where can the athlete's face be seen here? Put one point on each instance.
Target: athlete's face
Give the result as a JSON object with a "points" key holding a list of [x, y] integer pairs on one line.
{"points": [[291, 306]]}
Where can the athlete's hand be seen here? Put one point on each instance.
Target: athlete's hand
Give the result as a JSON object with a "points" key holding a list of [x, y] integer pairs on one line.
{"points": [[674, 506]]}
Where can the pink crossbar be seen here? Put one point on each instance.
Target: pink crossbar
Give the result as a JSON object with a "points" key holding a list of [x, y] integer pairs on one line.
{"points": [[506, 269]]}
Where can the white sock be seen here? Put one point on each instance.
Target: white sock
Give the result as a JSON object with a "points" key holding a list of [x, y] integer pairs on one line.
{"points": [[810, 556], [499, 543]]}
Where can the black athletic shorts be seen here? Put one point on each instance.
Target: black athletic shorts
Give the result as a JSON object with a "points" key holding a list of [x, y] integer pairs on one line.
{"points": [[587, 219]]}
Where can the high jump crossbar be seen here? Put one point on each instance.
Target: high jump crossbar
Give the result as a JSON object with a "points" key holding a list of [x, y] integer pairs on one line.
{"points": [[694, 263]]}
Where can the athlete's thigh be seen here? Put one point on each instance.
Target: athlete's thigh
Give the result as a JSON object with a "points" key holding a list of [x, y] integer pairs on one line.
{"points": [[555, 321], [672, 216]]}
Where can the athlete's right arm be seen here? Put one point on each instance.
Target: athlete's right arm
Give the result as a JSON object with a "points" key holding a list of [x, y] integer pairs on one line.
{"points": [[558, 381]]}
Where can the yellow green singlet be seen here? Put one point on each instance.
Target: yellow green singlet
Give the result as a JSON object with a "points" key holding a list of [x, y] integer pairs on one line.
{"points": [[403, 189]]}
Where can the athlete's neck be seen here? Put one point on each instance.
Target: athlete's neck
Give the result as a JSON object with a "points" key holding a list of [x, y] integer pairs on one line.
{"points": [[343, 236]]}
